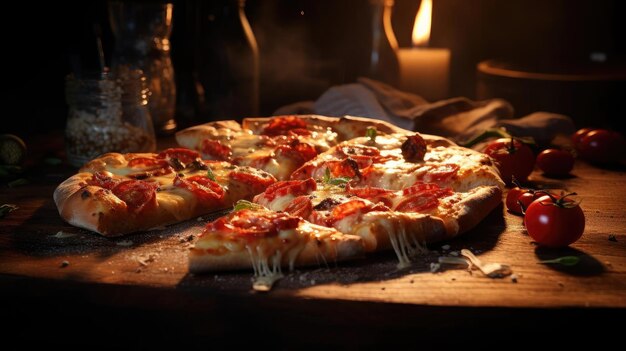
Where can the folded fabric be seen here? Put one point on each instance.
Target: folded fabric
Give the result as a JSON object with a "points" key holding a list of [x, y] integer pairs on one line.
{"points": [[458, 118]]}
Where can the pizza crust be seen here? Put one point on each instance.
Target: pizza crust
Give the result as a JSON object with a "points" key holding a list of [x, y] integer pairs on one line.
{"points": [[316, 248]]}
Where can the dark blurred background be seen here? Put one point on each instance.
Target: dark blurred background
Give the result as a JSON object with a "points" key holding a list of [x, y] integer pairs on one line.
{"points": [[306, 46]]}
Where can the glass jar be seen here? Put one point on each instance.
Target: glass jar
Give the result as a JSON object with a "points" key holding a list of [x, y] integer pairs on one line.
{"points": [[142, 31], [107, 115]]}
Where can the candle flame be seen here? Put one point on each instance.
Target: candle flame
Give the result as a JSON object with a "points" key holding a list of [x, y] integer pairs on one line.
{"points": [[421, 29]]}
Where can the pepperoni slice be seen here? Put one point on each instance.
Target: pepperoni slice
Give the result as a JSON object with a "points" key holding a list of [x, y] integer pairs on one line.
{"points": [[300, 153], [202, 187], [423, 201], [419, 188], [216, 149], [373, 194], [304, 172], [185, 156], [353, 206], [138, 195], [441, 173], [290, 187], [103, 180], [256, 182], [301, 206], [299, 132], [280, 125], [254, 224]]}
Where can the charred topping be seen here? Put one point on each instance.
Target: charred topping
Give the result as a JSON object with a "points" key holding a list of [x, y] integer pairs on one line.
{"points": [[176, 164], [354, 165], [414, 148], [326, 204], [85, 194], [197, 165], [140, 176]]}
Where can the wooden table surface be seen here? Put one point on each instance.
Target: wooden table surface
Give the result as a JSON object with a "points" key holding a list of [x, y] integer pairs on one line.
{"points": [[141, 282]]}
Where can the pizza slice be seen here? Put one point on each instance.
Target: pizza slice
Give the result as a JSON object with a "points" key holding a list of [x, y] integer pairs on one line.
{"points": [[266, 241], [117, 194], [404, 220], [278, 145], [398, 161], [279, 148]]}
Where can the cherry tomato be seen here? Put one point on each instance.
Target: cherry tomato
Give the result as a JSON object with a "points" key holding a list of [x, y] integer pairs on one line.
{"points": [[513, 158], [578, 136], [519, 195], [601, 146], [555, 162], [554, 222]]}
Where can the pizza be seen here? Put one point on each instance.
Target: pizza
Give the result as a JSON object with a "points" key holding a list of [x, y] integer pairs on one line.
{"points": [[307, 189], [396, 191], [117, 194]]}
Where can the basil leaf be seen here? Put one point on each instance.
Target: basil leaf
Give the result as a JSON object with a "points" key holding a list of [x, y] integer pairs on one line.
{"points": [[371, 133], [210, 174], [247, 205]]}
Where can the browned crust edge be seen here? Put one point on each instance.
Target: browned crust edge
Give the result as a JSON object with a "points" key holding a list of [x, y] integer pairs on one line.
{"points": [[313, 253]]}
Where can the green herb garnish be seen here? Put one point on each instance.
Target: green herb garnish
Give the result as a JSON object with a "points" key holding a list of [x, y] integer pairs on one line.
{"points": [[210, 174], [247, 205], [328, 179], [565, 260], [6, 209], [371, 133]]}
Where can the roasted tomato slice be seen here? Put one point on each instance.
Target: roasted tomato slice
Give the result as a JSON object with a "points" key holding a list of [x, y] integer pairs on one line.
{"points": [[203, 187], [138, 195], [216, 150], [280, 125]]}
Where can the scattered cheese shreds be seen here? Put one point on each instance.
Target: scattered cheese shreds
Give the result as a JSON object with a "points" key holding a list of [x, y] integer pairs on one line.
{"points": [[61, 235], [124, 243]]}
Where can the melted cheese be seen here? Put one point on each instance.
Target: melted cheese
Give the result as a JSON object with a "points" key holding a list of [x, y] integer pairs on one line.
{"points": [[178, 201], [403, 242]]}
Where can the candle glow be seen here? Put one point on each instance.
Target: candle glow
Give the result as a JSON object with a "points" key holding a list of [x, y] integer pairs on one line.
{"points": [[424, 70]]}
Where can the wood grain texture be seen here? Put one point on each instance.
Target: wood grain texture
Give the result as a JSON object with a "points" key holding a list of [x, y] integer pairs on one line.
{"points": [[149, 270]]}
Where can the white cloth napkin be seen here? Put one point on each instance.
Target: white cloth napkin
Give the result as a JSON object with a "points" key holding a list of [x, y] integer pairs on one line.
{"points": [[457, 118]]}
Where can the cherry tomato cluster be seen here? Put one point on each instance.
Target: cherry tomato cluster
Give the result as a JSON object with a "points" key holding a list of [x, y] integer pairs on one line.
{"points": [[551, 220], [599, 146]]}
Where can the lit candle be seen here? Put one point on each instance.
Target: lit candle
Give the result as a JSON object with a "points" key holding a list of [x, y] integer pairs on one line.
{"points": [[424, 70]]}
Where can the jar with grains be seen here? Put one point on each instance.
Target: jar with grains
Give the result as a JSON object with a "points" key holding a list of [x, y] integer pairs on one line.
{"points": [[107, 114]]}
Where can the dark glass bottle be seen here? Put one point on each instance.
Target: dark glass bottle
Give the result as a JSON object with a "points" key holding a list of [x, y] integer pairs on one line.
{"points": [[227, 64], [384, 65]]}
